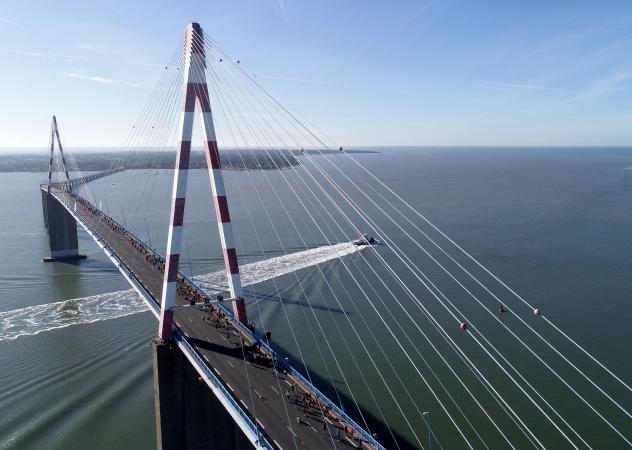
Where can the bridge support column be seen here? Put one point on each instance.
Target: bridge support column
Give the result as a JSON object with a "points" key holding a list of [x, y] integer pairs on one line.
{"points": [[188, 416], [62, 230]]}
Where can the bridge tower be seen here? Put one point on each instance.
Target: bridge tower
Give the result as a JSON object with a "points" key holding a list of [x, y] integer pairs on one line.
{"points": [[196, 95], [61, 226], [184, 419]]}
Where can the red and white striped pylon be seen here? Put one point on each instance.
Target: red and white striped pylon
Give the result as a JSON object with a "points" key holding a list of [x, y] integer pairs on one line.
{"points": [[196, 93], [54, 133]]}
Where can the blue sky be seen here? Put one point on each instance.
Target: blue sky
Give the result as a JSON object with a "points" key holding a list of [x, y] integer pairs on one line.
{"points": [[366, 72]]}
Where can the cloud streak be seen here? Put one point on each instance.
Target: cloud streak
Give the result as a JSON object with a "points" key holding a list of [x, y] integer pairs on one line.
{"points": [[281, 5], [80, 75], [530, 87], [37, 54], [302, 80]]}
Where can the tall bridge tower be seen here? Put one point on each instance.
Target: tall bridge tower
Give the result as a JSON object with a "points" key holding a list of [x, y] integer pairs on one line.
{"points": [[60, 225], [186, 415], [196, 95]]}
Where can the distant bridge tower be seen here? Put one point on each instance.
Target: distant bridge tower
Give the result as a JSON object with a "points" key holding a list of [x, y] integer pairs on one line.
{"points": [[54, 134], [61, 226], [196, 93]]}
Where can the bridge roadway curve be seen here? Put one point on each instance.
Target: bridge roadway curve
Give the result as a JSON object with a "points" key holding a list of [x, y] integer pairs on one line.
{"points": [[289, 416]]}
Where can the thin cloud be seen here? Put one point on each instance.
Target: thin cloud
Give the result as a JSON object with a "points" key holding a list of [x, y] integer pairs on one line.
{"points": [[603, 86], [616, 82], [326, 83], [98, 49], [36, 54], [530, 87], [302, 80], [420, 13], [6, 21], [80, 75], [281, 5]]}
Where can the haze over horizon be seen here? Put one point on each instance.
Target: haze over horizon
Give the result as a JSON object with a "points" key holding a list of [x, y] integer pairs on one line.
{"points": [[430, 73]]}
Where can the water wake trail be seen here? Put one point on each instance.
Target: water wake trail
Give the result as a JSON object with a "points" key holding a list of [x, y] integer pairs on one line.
{"points": [[36, 319]]}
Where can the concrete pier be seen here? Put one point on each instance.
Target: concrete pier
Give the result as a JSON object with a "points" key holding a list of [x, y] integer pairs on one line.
{"points": [[188, 415], [62, 230]]}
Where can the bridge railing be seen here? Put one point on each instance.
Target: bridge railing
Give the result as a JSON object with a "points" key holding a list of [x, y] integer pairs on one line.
{"points": [[366, 436], [110, 253], [263, 442], [296, 374], [282, 362], [74, 182]]}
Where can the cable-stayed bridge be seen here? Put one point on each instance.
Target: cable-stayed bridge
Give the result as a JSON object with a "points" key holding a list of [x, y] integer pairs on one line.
{"points": [[481, 392]]}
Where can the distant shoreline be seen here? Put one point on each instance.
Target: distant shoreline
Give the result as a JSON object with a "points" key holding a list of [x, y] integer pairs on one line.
{"points": [[237, 160]]}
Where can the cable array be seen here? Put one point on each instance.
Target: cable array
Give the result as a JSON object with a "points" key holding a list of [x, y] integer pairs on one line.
{"points": [[393, 331]]}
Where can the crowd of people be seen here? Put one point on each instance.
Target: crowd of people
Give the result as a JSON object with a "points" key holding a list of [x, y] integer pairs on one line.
{"points": [[318, 410], [306, 400]]}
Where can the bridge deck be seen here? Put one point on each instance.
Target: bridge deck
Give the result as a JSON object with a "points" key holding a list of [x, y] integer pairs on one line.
{"points": [[289, 417]]}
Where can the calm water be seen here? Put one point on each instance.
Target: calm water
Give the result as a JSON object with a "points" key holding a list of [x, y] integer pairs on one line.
{"points": [[553, 223]]}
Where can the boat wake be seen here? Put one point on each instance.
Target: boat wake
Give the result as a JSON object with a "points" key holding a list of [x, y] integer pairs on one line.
{"points": [[39, 318]]}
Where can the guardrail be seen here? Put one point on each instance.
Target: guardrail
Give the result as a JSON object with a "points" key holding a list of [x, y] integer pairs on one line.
{"points": [[217, 383], [80, 180], [366, 436], [296, 374], [261, 440], [110, 253]]}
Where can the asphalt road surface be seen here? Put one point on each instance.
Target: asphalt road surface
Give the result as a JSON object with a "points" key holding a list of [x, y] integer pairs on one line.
{"points": [[283, 408]]}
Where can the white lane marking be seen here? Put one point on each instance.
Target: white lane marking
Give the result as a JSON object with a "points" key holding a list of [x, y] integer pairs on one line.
{"points": [[260, 424], [293, 433], [229, 386], [274, 389], [288, 383], [277, 444], [231, 364], [206, 358], [312, 427]]}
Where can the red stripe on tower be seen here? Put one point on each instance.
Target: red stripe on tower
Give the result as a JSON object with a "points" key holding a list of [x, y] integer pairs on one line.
{"points": [[202, 91], [197, 39], [178, 212], [185, 154], [221, 208], [211, 148], [189, 99], [172, 267], [165, 324], [239, 308], [230, 257]]}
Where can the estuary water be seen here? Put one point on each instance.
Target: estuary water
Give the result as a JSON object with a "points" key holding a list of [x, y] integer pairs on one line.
{"points": [[554, 223]]}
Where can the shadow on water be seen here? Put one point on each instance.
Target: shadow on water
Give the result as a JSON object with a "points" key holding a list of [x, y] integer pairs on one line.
{"points": [[296, 302], [375, 424], [88, 263]]}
